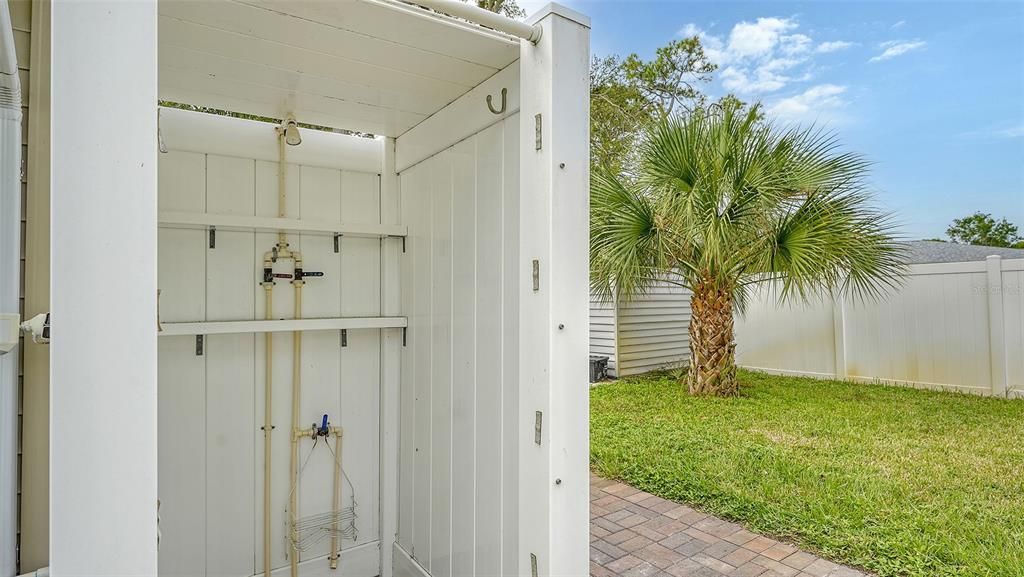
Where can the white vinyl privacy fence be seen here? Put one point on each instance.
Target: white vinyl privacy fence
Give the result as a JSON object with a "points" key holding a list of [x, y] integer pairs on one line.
{"points": [[954, 326]]}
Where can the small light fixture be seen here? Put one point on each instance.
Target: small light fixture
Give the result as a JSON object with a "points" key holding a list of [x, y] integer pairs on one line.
{"points": [[291, 132]]}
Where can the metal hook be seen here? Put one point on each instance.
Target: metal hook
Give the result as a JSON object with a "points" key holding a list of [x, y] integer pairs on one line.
{"points": [[504, 93]]}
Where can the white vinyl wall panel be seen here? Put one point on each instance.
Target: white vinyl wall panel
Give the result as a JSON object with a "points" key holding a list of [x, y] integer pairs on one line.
{"points": [[218, 502], [457, 488], [182, 401], [1013, 309], [761, 334], [483, 272], [441, 366], [511, 278], [893, 339], [464, 385], [947, 327]]}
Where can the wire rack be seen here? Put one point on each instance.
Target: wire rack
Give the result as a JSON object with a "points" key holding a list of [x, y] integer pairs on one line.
{"points": [[311, 530]]}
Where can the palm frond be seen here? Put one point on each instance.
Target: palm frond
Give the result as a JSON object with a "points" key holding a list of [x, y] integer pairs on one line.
{"points": [[726, 198]]}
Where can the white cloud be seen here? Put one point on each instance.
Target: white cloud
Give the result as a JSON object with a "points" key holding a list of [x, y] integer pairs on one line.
{"points": [[756, 57], [1012, 132], [737, 80], [795, 44], [815, 103], [714, 48], [833, 46], [690, 29], [1005, 132], [894, 48], [898, 25]]}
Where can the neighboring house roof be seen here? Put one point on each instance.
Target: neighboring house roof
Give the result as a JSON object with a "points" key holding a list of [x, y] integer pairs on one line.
{"points": [[930, 251]]}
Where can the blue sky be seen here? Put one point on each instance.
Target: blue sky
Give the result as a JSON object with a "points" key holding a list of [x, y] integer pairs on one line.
{"points": [[931, 92]]}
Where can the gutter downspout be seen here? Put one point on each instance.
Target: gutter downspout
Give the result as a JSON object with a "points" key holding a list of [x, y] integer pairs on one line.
{"points": [[10, 282]]}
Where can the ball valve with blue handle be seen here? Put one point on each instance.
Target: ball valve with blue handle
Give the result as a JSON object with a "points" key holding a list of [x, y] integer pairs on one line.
{"points": [[324, 428]]}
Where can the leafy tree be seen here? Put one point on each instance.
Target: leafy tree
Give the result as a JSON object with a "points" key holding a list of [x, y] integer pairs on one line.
{"points": [[618, 113], [723, 201], [981, 229], [505, 7], [628, 95], [670, 82]]}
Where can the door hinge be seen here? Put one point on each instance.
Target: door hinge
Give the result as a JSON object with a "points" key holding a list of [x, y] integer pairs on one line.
{"points": [[533, 564], [199, 345], [213, 237], [538, 139], [536, 275], [538, 426], [405, 332], [337, 243], [344, 337]]}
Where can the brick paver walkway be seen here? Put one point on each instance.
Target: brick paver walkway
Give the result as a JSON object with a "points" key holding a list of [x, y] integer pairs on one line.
{"points": [[633, 533]]}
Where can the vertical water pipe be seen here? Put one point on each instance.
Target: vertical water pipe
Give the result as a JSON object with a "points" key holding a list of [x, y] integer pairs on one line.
{"points": [[282, 251], [335, 555], [296, 400], [268, 389], [10, 269]]}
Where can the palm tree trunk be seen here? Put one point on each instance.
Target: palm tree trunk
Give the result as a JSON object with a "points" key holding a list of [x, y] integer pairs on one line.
{"points": [[712, 348]]}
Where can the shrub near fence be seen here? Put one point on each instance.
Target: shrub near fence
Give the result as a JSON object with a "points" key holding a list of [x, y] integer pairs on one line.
{"points": [[954, 326]]}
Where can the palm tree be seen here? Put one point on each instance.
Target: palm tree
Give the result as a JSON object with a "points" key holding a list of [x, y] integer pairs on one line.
{"points": [[723, 200]]}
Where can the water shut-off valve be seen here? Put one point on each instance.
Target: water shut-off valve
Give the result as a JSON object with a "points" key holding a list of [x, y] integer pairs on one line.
{"points": [[269, 275], [324, 429]]}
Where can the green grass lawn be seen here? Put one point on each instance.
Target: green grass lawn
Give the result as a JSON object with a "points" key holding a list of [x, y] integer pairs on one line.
{"points": [[899, 481]]}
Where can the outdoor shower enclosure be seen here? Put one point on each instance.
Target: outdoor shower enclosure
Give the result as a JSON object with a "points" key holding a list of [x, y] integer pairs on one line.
{"points": [[307, 344]]}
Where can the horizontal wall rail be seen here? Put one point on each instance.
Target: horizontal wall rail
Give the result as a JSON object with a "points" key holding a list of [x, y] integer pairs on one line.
{"points": [[172, 219], [285, 325]]}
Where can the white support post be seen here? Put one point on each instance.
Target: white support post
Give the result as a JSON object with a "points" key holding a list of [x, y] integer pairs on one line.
{"points": [[391, 343], [554, 297], [996, 329], [103, 412]]}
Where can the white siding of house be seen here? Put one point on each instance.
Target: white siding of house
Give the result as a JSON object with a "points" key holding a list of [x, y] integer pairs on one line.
{"points": [[653, 330], [602, 331]]}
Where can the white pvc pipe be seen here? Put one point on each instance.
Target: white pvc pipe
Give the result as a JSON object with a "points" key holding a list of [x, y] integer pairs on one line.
{"points": [[10, 268], [477, 15]]}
